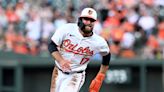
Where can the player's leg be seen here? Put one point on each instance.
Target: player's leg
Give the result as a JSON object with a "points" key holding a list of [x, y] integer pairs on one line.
{"points": [[56, 80], [53, 79], [72, 83]]}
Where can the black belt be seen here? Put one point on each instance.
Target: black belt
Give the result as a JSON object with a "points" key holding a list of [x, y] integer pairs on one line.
{"points": [[70, 72]]}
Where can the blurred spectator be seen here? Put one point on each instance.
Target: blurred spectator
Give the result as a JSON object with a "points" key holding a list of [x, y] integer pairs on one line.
{"points": [[160, 33], [12, 17], [151, 49], [59, 19], [132, 15], [130, 3], [160, 37], [147, 23], [3, 18], [127, 45], [2, 40], [47, 29], [20, 45], [46, 13], [159, 2], [116, 36], [148, 2], [10, 37], [21, 10], [33, 26], [115, 49], [33, 31]]}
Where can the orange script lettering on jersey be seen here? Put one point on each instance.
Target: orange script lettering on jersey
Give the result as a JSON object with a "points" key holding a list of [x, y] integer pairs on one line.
{"points": [[70, 47]]}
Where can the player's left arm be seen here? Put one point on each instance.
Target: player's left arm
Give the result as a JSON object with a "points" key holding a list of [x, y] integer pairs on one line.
{"points": [[97, 81], [105, 63]]}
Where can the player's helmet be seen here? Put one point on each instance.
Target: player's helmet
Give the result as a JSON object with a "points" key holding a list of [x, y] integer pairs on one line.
{"points": [[89, 13]]}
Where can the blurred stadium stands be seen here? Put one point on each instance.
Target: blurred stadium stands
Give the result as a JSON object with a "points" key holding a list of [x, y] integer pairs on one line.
{"points": [[134, 30]]}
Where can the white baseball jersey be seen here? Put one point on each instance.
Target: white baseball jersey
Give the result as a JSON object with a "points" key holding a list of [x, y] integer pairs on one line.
{"points": [[76, 48]]}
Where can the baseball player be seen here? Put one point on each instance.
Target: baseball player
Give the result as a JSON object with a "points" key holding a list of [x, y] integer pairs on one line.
{"points": [[72, 47]]}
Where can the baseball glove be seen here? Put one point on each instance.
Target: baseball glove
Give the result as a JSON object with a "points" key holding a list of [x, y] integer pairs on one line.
{"points": [[96, 83]]}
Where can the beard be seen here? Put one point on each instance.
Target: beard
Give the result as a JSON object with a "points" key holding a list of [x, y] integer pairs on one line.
{"points": [[87, 29]]}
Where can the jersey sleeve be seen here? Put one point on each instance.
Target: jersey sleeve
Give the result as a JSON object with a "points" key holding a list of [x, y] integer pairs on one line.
{"points": [[103, 48], [59, 35]]}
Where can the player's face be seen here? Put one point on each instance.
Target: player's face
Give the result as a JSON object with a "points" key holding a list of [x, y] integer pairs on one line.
{"points": [[89, 24]]}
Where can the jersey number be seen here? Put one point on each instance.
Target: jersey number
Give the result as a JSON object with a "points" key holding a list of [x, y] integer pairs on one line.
{"points": [[84, 60]]}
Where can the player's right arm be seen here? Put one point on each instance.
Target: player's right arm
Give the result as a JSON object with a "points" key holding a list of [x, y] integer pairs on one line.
{"points": [[64, 64], [56, 40]]}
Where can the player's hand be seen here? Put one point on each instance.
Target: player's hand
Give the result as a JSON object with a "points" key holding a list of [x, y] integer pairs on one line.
{"points": [[65, 65], [96, 83]]}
